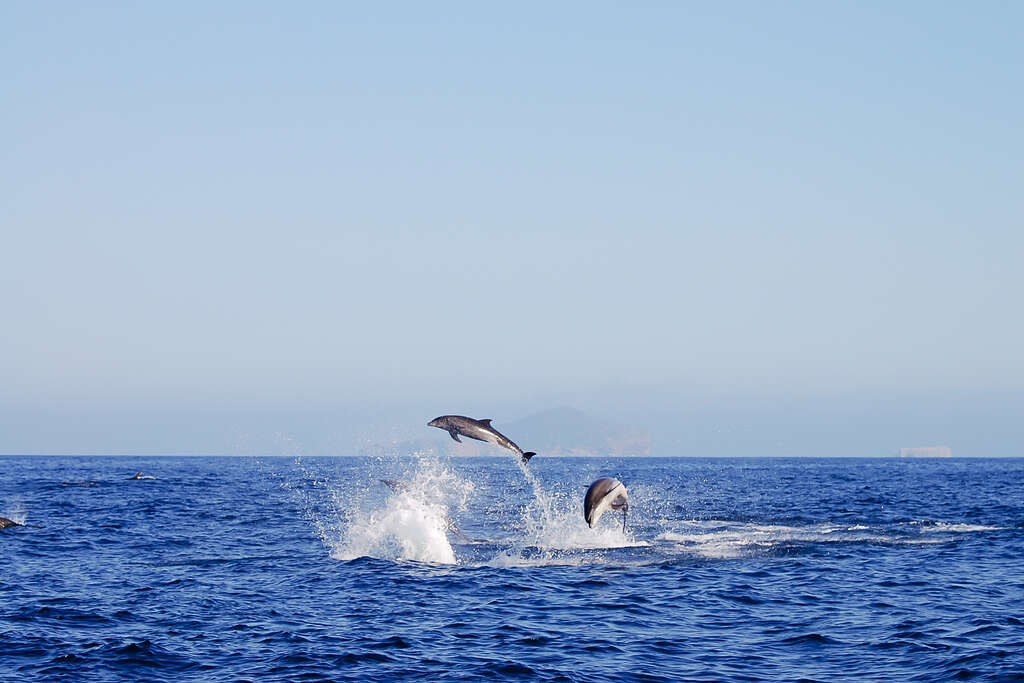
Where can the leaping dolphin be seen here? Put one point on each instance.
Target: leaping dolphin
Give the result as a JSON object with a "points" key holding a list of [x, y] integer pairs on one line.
{"points": [[481, 430], [603, 494]]}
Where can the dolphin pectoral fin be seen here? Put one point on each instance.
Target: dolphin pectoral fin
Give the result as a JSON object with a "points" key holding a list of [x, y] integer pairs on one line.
{"points": [[455, 435], [624, 519], [527, 455], [395, 485], [455, 530]]}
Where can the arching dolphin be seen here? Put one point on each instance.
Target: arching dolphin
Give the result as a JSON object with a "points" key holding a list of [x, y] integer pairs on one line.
{"points": [[481, 430], [4, 523], [140, 475], [603, 494]]}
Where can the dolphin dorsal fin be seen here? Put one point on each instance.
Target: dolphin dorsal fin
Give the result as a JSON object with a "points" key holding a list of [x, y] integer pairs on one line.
{"points": [[486, 422]]}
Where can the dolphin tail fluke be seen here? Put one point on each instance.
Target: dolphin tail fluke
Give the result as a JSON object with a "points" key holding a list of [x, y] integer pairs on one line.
{"points": [[527, 455]]}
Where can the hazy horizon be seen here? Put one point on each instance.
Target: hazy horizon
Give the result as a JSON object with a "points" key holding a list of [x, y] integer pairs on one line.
{"points": [[744, 228], [847, 426]]}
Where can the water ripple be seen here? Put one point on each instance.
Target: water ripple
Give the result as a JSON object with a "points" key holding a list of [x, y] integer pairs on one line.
{"points": [[741, 570]]}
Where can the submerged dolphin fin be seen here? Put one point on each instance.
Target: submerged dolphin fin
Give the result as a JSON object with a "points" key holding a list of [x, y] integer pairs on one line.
{"points": [[527, 455], [455, 530], [395, 485], [455, 435]]}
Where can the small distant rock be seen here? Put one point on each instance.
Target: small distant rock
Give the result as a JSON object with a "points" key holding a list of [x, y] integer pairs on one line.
{"points": [[927, 452], [570, 431]]}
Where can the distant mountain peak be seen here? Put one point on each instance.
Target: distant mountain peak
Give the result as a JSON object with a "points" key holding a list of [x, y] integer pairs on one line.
{"points": [[569, 430]]}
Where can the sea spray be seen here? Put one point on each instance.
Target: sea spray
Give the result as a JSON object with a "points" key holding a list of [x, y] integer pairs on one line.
{"points": [[16, 513], [412, 521], [542, 502], [209, 570], [313, 492], [360, 516], [552, 523]]}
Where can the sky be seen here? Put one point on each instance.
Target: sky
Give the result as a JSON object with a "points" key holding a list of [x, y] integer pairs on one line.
{"points": [[328, 219]]}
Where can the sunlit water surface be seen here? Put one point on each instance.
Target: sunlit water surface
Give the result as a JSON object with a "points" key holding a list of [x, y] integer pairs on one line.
{"points": [[312, 569]]}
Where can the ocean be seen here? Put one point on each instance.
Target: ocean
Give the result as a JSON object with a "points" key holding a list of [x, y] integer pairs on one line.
{"points": [[312, 569]]}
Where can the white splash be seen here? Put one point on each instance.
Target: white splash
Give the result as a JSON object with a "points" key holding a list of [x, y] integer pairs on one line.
{"points": [[407, 529], [553, 532], [411, 524], [17, 514], [563, 528]]}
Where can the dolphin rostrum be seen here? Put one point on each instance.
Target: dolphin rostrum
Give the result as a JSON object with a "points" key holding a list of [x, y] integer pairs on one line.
{"points": [[603, 494], [481, 430]]}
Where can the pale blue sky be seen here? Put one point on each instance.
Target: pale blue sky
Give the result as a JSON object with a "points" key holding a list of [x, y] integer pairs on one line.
{"points": [[259, 208]]}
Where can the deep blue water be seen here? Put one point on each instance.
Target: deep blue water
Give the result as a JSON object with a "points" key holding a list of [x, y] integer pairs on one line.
{"points": [[310, 569]]}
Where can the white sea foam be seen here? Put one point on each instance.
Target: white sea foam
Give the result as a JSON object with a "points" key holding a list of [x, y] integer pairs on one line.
{"points": [[552, 531], [954, 528], [562, 529], [409, 524], [724, 539], [721, 540], [408, 528]]}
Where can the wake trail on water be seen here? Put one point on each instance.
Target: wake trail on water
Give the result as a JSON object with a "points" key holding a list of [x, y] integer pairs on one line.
{"points": [[416, 517], [730, 539]]}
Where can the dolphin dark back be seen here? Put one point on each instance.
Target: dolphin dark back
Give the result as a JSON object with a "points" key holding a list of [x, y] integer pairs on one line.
{"points": [[603, 494], [481, 430]]}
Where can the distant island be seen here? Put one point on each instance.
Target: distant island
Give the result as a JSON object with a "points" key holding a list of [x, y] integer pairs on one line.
{"points": [[569, 431], [927, 452]]}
